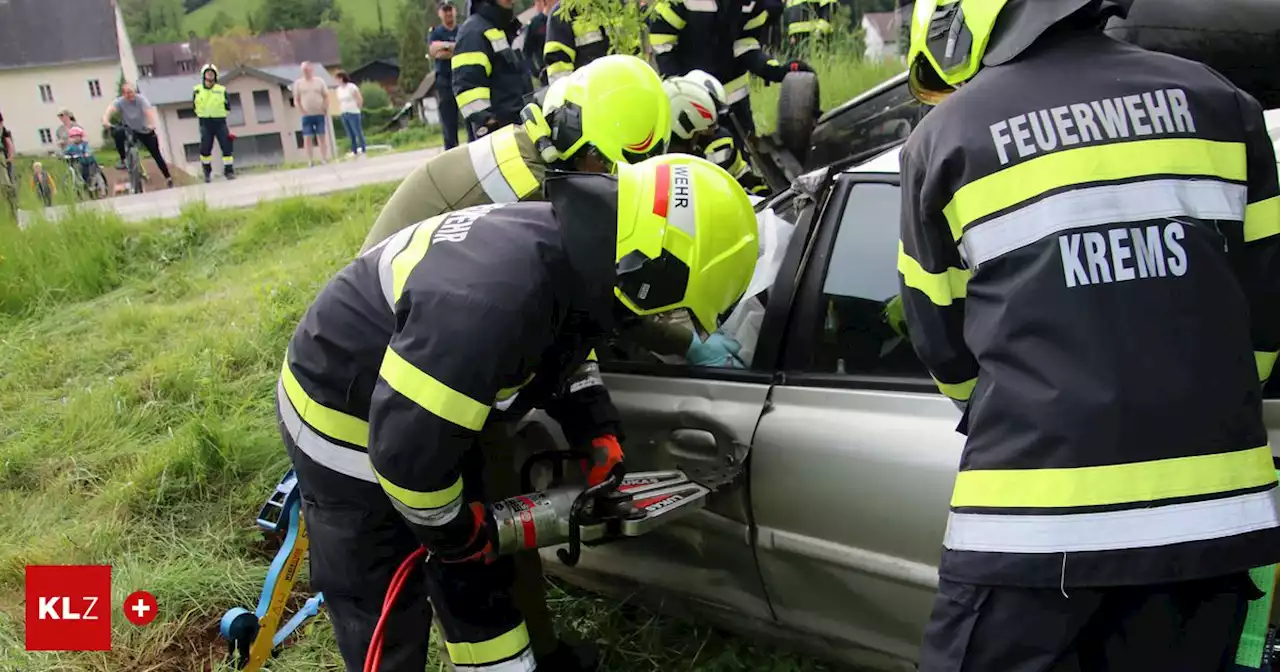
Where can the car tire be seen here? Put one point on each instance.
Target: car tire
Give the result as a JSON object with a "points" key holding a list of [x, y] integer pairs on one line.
{"points": [[797, 112]]}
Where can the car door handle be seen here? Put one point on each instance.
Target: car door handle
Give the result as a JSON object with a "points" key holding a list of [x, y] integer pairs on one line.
{"points": [[698, 444]]}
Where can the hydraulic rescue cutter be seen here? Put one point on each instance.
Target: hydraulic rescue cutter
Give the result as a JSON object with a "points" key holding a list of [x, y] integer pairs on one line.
{"points": [[562, 513]]}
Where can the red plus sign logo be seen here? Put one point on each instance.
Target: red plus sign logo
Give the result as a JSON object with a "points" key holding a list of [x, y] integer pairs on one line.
{"points": [[140, 607]]}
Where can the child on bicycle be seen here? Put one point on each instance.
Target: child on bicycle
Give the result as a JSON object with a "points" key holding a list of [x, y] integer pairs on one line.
{"points": [[78, 148], [42, 182]]}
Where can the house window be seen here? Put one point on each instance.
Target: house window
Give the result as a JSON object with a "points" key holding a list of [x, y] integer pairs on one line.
{"points": [[46, 93], [95, 88], [262, 110], [46, 136], [235, 117], [146, 70], [186, 113]]}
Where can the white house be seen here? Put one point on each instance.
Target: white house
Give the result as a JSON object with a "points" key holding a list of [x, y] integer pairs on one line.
{"points": [[881, 31], [58, 54]]}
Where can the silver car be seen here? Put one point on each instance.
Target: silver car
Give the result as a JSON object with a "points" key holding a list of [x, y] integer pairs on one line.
{"points": [[828, 540]]}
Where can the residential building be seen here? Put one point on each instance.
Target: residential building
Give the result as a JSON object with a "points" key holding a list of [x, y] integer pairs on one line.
{"points": [[384, 71], [285, 47], [424, 102], [881, 30], [266, 125], [59, 54]]}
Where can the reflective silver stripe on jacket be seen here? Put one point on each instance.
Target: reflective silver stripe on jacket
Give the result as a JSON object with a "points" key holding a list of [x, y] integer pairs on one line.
{"points": [[353, 463], [1113, 530], [475, 106], [429, 517], [485, 163], [521, 663], [1105, 204], [700, 5], [386, 277], [663, 48], [722, 156], [737, 89], [589, 37]]}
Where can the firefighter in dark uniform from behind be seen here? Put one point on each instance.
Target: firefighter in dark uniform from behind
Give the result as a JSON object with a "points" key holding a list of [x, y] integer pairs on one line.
{"points": [[723, 38], [490, 78], [572, 42], [393, 371], [212, 105], [1091, 269]]}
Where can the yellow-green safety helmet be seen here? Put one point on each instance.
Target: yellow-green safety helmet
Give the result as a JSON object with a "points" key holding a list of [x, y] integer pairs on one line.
{"points": [[687, 239], [952, 39], [615, 104]]}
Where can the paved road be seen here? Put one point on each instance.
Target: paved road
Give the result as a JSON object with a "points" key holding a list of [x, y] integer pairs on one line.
{"points": [[251, 189]]}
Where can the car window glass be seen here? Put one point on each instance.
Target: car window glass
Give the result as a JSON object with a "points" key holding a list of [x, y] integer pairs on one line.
{"points": [[668, 339], [859, 331]]}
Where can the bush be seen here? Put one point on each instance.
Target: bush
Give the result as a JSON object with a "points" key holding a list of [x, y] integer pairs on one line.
{"points": [[374, 95]]}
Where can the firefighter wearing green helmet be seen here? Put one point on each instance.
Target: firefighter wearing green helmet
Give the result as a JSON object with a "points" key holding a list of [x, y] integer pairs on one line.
{"points": [[394, 372], [212, 105], [1090, 269]]}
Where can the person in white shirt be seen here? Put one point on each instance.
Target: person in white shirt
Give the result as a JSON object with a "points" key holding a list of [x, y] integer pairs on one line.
{"points": [[350, 102]]}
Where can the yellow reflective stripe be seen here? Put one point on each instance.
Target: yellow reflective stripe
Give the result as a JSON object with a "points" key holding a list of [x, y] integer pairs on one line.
{"points": [[659, 38], [717, 143], [957, 391], [736, 83], [421, 499], [507, 152], [432, 395], [507, 392], [472, 58], [506, 645], [408, 258], [553, 47], [941, 288], [335, 424], [744, 45], [1262, 219], [1115, 484], [558, 68], [470, 96], [669, 15], [756, 21], [1266, 361], [495, 34], [582, 27], [1016, 184]]}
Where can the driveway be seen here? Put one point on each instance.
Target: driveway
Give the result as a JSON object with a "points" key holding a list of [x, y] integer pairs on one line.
{"points": [[254, 188]]}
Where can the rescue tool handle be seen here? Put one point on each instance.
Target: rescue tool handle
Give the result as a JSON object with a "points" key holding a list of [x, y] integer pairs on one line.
{"points": [[571, 555]]}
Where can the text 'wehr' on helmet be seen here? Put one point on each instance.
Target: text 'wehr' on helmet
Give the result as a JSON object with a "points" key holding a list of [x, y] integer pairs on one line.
{"points": [[687, 239]]}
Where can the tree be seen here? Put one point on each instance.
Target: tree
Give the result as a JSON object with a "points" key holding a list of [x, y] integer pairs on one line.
{"points": [[276, 15], [221, 23], [413, 45], [238, 48], [153, 21]]}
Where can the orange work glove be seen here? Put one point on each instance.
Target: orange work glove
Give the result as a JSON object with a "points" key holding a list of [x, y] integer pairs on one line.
{"points": [[606, 458]]}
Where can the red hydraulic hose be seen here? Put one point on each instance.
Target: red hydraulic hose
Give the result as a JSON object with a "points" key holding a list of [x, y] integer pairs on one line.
{"points": [[373, 658]]}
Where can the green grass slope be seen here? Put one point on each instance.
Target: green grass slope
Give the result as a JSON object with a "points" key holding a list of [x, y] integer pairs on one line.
{"points": [[363, 13], [137, 429]]}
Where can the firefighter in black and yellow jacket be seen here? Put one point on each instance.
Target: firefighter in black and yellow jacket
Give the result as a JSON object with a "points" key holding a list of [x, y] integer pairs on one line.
{"points": [[212, 105], [572, 42], [1090, 267], [490, 80], [395, 369], [723, 38], [697, 103]]}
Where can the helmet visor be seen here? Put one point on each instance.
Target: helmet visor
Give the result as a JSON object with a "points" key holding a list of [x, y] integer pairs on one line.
{"points": [[650, 286]]}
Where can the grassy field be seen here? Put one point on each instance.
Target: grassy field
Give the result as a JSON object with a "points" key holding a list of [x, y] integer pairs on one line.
{"points": [[137, 428], [362, 12]]}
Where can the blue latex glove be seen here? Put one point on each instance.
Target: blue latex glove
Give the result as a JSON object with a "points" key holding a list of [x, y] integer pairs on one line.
{"points": [[717, 350]]}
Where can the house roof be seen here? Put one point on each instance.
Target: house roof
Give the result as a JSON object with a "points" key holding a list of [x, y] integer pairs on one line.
{"points": [[51, 32], [318, 45], [177, 89], [426, 87], [884, 23], [389, 62]]}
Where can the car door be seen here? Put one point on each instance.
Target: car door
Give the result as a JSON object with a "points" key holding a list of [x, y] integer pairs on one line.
{"points": [[852, 466], [697, 419]]}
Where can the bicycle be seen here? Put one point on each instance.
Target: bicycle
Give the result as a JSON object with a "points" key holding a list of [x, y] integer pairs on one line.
{"points": [[95, 189], [132, 159]]}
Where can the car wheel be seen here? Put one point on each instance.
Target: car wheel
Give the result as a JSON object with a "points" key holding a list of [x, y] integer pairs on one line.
{"points": [[797, 112]]}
